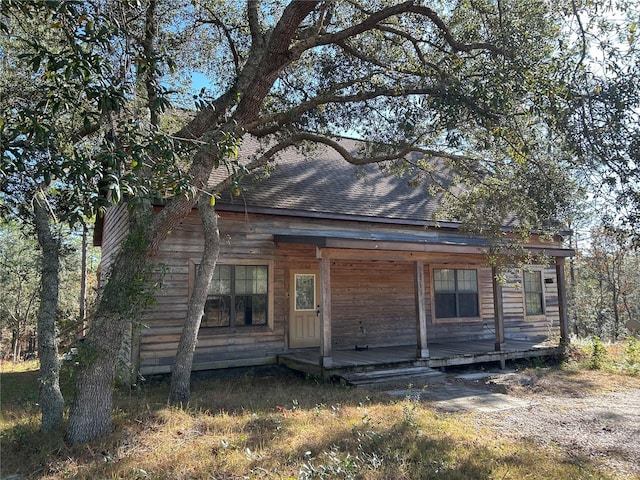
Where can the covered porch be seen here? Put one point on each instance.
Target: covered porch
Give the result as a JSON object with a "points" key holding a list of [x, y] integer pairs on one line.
{"points": [[441, 354]]}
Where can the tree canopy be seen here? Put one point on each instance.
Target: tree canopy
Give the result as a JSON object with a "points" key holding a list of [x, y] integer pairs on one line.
{"points": [[100, 108]]}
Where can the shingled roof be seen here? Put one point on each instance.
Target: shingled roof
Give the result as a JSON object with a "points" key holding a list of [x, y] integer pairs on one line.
{"points": [[323, 184]]}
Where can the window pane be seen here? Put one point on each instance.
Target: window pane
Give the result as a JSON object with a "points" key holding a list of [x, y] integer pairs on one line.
{"points": [[444, 280], [468, 304], [259, 311], [260, 280], [533, 294], [243, 279], [445, 305], [250, 310], [305, 291], [467, 280], [221, 280], [217, 312]]}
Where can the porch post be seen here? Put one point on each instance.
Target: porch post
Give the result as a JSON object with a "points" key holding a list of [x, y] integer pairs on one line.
{"points": [[421, 316], [498, 311], [562, 301], [326, 360]]}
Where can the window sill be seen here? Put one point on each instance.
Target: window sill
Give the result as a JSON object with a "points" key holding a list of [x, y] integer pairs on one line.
{"points": [[438, 321], [235, 330]]}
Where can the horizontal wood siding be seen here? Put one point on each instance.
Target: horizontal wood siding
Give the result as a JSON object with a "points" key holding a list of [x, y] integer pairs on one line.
{"points": [[372, 304], [520, 326], [372, 299], [178, 256]]}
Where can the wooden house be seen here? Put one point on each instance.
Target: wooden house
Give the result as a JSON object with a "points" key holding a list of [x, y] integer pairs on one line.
{"points": [[327, 266]]}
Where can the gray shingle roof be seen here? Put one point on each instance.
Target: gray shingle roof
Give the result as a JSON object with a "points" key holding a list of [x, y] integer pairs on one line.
{"points": [[323, 183]]}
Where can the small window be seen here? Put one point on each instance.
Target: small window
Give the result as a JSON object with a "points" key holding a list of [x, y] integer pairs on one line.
{"points": [[305, 291], [456, 293], [533, 293], [237, 296]]}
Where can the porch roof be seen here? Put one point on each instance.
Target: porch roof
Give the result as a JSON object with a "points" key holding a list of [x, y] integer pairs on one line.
{"points": [[411, 241]]}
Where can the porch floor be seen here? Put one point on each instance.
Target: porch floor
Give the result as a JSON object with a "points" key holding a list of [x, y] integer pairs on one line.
{"points": [[441, 354]]}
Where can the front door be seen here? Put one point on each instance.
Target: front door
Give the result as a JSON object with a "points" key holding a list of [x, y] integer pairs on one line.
{"points": [[304, 323]]}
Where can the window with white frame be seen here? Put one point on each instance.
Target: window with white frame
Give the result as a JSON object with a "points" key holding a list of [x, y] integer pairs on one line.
{"points": [[533, 292], [455, 293], [238, 296]]}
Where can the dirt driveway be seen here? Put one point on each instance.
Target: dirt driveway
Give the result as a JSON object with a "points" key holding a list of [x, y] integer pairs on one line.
{"points": [[588, 414]]}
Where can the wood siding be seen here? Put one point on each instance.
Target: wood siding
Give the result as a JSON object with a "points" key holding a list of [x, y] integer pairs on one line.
{"points": [[372, 295]]}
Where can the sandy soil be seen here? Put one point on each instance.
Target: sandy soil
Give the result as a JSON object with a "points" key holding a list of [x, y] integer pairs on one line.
{"points": [[588, 414]]}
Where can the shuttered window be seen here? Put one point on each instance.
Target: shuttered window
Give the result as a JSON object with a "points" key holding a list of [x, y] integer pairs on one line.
{"points": [[456, 293], [237, 296]]}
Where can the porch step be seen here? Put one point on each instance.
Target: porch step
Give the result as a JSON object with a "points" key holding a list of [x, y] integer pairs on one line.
{"points": [[393, 375]]}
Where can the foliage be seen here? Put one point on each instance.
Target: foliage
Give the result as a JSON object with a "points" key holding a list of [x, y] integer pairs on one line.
{"points": [[485, 86], [20, 276], [598, 354], [601, 115], [606, 290]]}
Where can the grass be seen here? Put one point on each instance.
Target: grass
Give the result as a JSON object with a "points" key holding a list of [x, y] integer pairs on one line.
{"points": [[276, 425]]}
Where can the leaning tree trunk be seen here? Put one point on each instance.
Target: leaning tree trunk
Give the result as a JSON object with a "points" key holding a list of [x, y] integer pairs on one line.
{"points": [[120, 303], [51, 400], [181, 371]]}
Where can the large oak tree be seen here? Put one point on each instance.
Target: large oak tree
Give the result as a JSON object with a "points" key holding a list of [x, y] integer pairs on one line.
{"points": [[486, 85]]}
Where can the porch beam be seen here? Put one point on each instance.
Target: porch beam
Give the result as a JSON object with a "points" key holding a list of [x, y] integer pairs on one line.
{"points": [[421, 315], [326, 359], [395, 255], [562, 301], [498, 311]]}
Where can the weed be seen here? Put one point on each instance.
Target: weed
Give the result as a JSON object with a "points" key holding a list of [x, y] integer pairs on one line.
{"points": [[632, 354], [598, 354]]}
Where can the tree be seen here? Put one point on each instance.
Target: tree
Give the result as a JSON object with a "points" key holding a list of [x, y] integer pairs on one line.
{"points": [[600, 115], [608, 290], [475, 83], [51, 400], [19, 269]]}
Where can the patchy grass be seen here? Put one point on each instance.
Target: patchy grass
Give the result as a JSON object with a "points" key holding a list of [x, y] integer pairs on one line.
{"points": [[282, 426]]}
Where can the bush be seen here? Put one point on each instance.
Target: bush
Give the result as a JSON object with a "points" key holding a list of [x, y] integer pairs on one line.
{"points": [[598, 354]]}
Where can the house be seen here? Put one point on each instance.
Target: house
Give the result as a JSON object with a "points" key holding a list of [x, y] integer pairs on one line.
{"points": [[327, 266]]}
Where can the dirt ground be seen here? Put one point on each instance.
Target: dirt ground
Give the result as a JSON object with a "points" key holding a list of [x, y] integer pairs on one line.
{"points": [[588, 414]]}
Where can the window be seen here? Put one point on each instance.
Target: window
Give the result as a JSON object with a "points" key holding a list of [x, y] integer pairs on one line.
{"points": [[456, 293], [533, 293], [237, 296], [305, 292]]}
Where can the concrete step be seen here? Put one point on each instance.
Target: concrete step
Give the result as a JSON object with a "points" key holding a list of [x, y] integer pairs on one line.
{"points": [[392, 375]]}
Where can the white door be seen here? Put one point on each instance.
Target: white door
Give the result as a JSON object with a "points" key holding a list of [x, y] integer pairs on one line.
{"points": [[304, 323]]}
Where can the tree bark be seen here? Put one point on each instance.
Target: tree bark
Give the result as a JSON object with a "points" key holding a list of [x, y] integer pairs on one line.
{"points": [[51, 400], [181, 372], [122, 301]]}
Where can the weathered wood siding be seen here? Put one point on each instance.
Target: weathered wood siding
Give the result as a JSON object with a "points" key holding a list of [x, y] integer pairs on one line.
{"points": [[115, 230], [520, 326], [372, 300]]}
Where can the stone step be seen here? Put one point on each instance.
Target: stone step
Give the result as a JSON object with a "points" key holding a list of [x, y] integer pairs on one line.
{"points": [[392, 375]]}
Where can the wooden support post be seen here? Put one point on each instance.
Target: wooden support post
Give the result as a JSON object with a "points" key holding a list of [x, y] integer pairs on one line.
{"points": [[421, 315], [562, 301], [498, 311], [326, 359]]}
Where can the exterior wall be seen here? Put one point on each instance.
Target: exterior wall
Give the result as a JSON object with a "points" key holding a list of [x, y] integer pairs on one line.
{"points": [[115, 230], [520, 326], [372, 300]]}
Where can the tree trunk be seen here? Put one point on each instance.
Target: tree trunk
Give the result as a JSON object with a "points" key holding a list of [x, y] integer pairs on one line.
{"points": [[181, 371], [123, 298], [83, 285], [51, 400]]}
